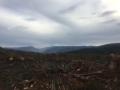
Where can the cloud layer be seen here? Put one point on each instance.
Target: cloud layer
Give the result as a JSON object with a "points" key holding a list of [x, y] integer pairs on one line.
{"points": [[58, 22]]}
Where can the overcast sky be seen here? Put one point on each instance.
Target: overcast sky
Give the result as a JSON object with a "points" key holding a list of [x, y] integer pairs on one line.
{"points": [[59, 22]]}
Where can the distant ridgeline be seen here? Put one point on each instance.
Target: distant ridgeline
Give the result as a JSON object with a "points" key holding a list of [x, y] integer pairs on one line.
{"points": [[104, 49]]}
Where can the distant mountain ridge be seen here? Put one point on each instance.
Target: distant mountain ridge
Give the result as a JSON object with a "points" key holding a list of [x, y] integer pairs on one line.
{"points": [[103, 49], [63, 49], [108, 48], [26, 49], [53, 49]]}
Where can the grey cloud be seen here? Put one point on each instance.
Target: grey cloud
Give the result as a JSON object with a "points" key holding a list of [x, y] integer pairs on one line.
{"points": [[37, 7], [107, 13], [73, 7], [71, 33]]}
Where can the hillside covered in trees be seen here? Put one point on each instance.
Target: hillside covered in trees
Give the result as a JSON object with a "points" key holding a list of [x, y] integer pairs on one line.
{"points": [[69, 71]]}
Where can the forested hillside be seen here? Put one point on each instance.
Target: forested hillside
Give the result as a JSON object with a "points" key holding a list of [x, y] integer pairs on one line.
{"points": [[33, 71]]}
